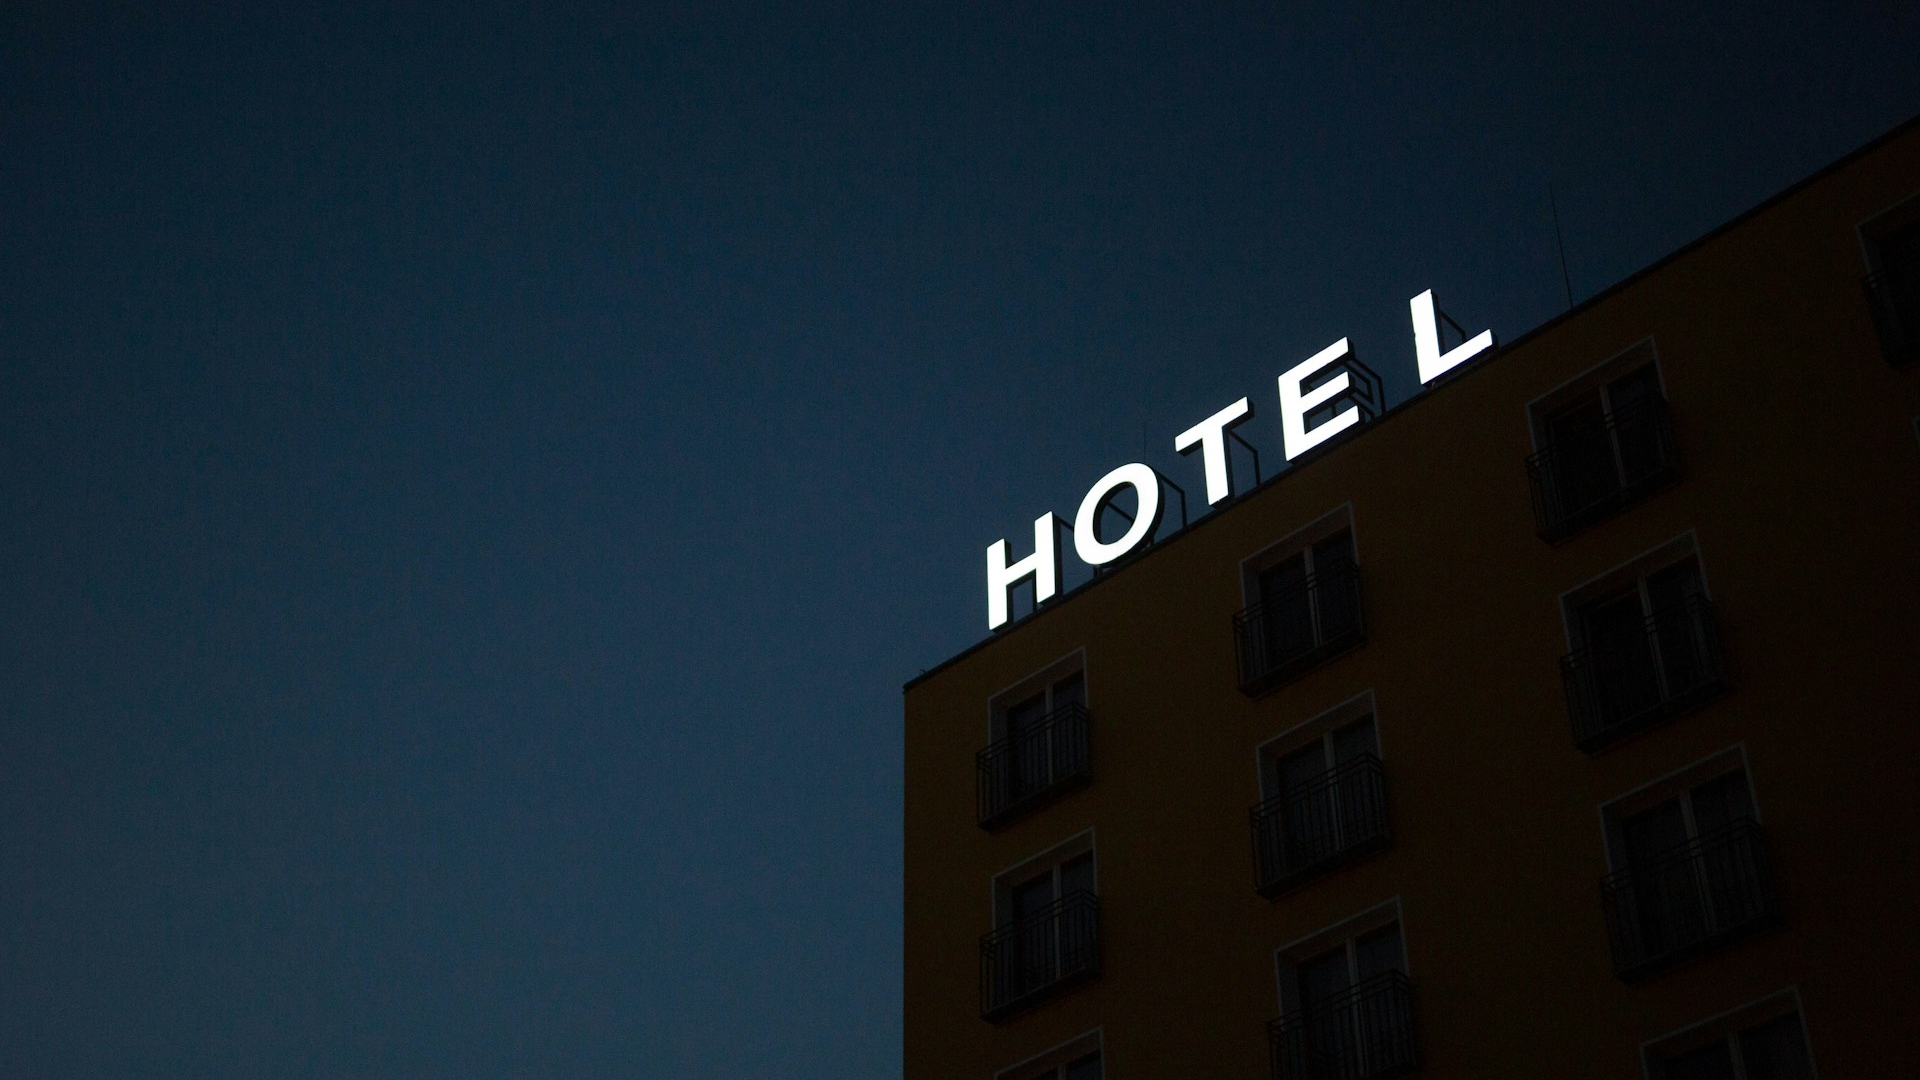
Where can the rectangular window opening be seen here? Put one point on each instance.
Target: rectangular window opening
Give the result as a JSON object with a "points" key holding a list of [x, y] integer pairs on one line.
{"points": [[1603, 443]]}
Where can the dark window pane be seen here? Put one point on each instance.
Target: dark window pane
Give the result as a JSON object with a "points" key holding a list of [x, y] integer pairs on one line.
{"points": [[1378, 952], [1028, 768], [1896, 293], [1901, 245], [1077, 873], [1623, 676], [1671, 586], [1721, 800], [1581, 468], [1665, 908], [1633, 389], [1329, 1029], [1022, 716], [1301, 768], [1679, 636], [1354, 740], [1333, 554], [1286, 612], [1283, 579], [1711, 1062], [1071, 690], [1576, 424], [1776, 1050], [1614, 619], [1032, 895], [1086, 1068], [1639, 428], [1308, 813], [1653, 833], [1323, 977], [1336, 599]]}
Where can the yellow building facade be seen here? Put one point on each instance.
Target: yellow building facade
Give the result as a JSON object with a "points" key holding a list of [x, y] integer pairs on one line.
{"points": [[1560, 722]]}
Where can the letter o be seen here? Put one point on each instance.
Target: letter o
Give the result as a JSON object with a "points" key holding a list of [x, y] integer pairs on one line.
{"points": [[1086, 533]]}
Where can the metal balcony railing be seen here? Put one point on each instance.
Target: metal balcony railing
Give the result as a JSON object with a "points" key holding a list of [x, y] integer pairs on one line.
{"points": [[1594, 472], [1286, 635], [1690, 899], [1626, 684], [1029, 961], [1020, 772], [1362, 1034], [1299, 834], [1893, 294]]}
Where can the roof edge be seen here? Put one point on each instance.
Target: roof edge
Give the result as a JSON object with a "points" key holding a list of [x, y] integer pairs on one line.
{"points": [[1825, 171]]}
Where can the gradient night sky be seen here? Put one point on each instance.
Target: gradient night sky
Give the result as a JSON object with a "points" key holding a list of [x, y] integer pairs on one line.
{"points": [[474, 482]]}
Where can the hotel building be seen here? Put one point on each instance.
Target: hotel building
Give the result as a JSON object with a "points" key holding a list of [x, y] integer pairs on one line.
{"points": [[1560, 722]]}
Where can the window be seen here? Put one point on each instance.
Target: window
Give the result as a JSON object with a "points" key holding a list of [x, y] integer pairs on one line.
{"points": [[1078, 1059], [1047, 930], [1605, 443], [1763, 1041], [1325, 798], [1346, 1004], [1305, 606], [1893, 286], [1645, 646], [1038, 747], [1690, 868]]}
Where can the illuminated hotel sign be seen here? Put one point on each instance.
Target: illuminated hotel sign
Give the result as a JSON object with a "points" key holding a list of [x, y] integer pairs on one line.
{"points": [[1302, 427]]}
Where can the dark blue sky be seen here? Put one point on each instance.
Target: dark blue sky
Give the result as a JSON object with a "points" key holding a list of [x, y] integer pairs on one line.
{"points": [[475, 481]]}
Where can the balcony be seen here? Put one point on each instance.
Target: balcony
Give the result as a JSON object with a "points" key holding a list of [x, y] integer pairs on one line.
{"points": [[1628, 684], [1689, 900], [1594, 472], [1030, 768], [1288, 634], [1893, 294], [1025, 963], [1361, 1034], [1300, 834]]}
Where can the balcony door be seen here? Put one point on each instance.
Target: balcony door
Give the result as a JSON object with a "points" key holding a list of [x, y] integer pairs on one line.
{"points": [[1646, 647], [1038, 745], [1685, 887], [1305, 599], [1603, 443], [1347, 1034], [1045, 945], [1322, 813], [1773, 1050]]}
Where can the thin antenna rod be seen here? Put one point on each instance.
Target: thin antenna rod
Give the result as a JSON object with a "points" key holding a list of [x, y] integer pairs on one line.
{"points": [[1562, 242]]}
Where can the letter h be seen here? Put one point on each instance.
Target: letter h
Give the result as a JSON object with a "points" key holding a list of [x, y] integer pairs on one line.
{"points": [[1043, 566]]}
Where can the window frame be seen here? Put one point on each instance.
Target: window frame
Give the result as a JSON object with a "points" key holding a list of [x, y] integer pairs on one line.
{"points": [[1637, 571], [1753, 888], [1564, 481], [1057, 758], [1013, 977], [1051, 858], [1052, 1062], [1676, 784], [1317, 728], [1872, 233], [1287, 957], [1041, 680], [1598, 377], [1299, 541], [1261, 666], [1353, 805], [1727, 1026], [1872, 230]]}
